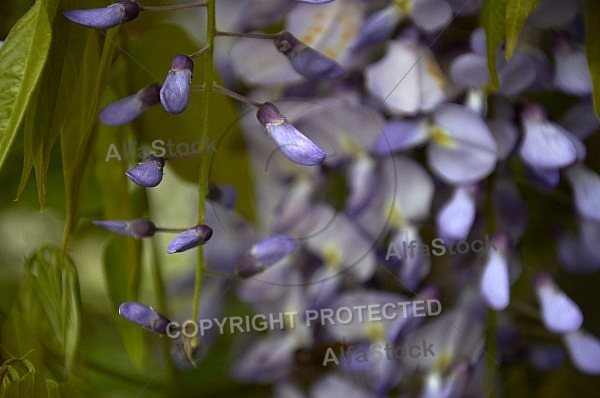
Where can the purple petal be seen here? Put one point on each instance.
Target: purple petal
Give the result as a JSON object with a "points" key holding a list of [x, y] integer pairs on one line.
{"points": [[581, 119], [572, 72], [398, 135], [315, 1], [306, 60], [470, 70], [362, 182], [584, 350], [128, 108], [175, 91], [378, 26], [546, 145], [515, 75], [189, 239], [495, 284], [107, 17], [148, 173], [559, 313], [466, 151], [295, 145], [135, 228], [223, 194], [271, 250], [431, 15], [506, 135], [456, 217], [266, 360], [586, 189], [144, 316]]}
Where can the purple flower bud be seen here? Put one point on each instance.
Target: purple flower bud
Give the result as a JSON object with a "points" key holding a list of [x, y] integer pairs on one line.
{"points": [[175, 92], [315, 1], [223, 194], [295, 145], [559, 313], [136, 228], [127, 109], [584, 350], [265, 253], [144, 316], [306, 60], [190, 238], [107, 17], [148, 173]]}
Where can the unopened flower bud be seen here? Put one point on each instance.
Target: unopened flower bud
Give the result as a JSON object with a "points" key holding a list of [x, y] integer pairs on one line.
{"points": [[175, 91], [265, 253], [141, 228], [148, 173], [295, 145], [223, 194], [128, 108], [190, 238], [144, 316], [306, 60], [559, 313], [107, 17]]}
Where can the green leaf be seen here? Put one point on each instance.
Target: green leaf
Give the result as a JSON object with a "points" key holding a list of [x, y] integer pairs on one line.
{"points": [[592, 47], [48, 307], [78, 134], [22, 59], [517, 12], [493, 16], [122, 261]]}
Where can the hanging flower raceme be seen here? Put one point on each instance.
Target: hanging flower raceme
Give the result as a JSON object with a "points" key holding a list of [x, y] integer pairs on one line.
{"points": [[190, 238], [129, 108], [175, 91], [295, 145], [147, 173], [107, 17], [144, 316], [141, 228], [306, 60]]}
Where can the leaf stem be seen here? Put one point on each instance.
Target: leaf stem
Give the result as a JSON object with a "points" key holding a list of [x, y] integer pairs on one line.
{"points": [[236, 96], [261, 36]]}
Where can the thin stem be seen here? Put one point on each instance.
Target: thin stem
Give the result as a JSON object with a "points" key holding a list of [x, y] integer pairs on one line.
{"points": [[173, 230], [261, 36], [197, 87], [173, 7], [198, 53], [211, 30], [236, 96]]}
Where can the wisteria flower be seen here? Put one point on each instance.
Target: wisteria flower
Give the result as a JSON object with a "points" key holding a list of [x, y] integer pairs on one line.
{"points": [[129, 108], [295, 145], [559, 313], [107, 17], [190, 238], [141, 228], [144, 316], [147, 173], [175, 91]]}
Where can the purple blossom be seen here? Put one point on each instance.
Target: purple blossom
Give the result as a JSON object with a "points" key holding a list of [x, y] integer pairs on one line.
{"points": [[144, 316], [141, 228], [148, 173], [559, 313], [584, 350], [107, 17], [175, 91], [129, 108], [190, 238], [295, 145], [306, 60]]}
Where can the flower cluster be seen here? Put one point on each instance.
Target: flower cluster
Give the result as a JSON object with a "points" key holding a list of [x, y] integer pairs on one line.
{"points": [[364, 92]]}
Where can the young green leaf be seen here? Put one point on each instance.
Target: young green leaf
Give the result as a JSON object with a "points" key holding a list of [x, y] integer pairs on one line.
{"points": [[493, 16], [22, 60], [517, 12]]}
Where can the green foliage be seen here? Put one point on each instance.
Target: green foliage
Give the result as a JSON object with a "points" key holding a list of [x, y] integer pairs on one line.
{"points": [[22, 59], [517, 12], [46, 317], [503, 20], [592, 46]]}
